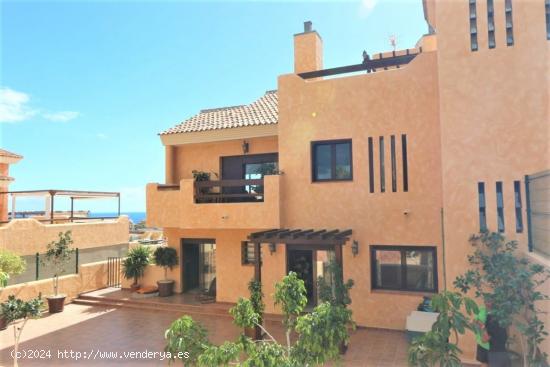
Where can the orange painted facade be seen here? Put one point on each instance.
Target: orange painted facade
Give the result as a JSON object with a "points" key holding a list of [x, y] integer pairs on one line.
{"points": [[468, 116]]}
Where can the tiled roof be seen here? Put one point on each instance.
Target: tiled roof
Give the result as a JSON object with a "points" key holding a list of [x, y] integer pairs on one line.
{"points": [[5, 153], [263, 111]]}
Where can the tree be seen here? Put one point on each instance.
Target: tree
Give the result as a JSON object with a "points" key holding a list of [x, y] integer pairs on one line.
{"points": [[15, 309], [436, 348], [10, 264], [509, 283], [319, 334], [166, 257], [58, 255], [133, 266]]}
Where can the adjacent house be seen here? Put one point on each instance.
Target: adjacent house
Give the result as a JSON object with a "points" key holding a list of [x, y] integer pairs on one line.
{"points": [[386, 166]]}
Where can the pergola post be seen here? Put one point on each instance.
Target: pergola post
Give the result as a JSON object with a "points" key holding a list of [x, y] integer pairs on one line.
{"points": [[52, 194], [118, 205], [13, 206], [72, 208], [258, 262]]}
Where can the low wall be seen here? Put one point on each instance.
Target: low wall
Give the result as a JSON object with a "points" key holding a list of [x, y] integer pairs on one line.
{"points": [[28, 236], [90, 277], [152, 274]]}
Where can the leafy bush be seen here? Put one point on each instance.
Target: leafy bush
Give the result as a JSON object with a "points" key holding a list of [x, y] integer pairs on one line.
{"points": [[333, 289], [435, 347], [166, 257], [509, 283], [10, 264], [185, 335], [133, 266]]}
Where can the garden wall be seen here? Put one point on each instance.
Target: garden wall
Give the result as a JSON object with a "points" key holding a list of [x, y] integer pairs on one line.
{"points": [[90, 277]]}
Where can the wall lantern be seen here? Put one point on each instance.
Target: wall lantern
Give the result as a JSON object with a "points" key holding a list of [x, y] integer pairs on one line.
{"points": [[355, 248], [272, 248], [245, 147]]}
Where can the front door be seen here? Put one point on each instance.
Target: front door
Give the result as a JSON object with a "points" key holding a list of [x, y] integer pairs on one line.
{"points": [[190, 266], [301, 262]]}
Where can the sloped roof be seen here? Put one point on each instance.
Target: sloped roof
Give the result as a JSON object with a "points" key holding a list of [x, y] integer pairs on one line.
{"points": [[263, 111], [5, 153]]}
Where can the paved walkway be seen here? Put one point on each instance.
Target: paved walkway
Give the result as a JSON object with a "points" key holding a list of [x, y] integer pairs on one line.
{"points": [[89, 329]]}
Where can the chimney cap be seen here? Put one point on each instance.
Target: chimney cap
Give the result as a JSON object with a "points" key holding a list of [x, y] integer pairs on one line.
{"points": [[308, 26]]}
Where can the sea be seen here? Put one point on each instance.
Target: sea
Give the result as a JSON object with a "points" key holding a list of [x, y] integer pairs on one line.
{"points": [[135, 217]]}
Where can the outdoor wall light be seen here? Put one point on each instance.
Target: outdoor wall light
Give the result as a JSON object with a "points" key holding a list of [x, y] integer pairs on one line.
{"points": [[245, 147], [272, 248], [355, 248]]}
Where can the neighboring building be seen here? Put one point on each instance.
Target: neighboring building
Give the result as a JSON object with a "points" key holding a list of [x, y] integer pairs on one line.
{"points": [[6, 158], [399, 164]]}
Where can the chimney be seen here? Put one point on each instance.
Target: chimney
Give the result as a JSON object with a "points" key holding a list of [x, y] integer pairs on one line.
{"points": [[308, 50]]}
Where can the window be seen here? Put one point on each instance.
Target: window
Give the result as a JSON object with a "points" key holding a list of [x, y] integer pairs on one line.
{"points": [[517, 197], [500, 207], [406, 268], [547, 10], [331, 160], [371, 165], [482, 211], [491, 23], [405, 165], [473, 26], [247, 253], [382, 166], [509, 23], [393, 165]]}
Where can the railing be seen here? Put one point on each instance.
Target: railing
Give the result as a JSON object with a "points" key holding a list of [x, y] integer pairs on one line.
{"points": [[229, 191], [537, 192], [378, 62], [61, 220]]}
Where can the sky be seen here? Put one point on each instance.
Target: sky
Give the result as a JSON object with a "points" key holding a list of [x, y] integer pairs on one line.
{"points": [[86, 86]]}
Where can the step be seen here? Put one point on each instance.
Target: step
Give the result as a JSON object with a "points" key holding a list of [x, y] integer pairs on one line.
{"points": [[141, 306]]}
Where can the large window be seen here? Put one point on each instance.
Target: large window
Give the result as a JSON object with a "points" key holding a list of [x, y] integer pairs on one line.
{"points": [[331, 160], [404, 268], [248, 257]]}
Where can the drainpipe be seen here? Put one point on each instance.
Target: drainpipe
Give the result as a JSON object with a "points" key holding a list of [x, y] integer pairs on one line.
{"points": [[443, 248]]}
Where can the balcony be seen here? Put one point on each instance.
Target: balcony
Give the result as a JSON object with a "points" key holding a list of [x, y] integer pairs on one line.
{"points": [[227, 204]]}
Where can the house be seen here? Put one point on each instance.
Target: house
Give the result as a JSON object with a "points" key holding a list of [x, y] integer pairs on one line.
{"points": [[6, 159], [388, 166]]}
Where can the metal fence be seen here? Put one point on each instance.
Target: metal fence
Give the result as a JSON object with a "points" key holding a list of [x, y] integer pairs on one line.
{"points": [[37, 270], [537, 191]]}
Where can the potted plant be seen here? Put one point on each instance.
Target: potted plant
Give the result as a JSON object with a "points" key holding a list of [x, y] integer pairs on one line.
{"points": [[15, 309], [57, 256], [10, 264], [167, 258], [258, 306], [133, 266]]}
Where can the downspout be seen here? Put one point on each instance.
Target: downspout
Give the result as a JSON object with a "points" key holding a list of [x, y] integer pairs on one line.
{"points": [[443, 254]]}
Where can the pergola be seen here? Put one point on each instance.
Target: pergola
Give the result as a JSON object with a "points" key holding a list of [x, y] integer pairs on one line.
{"points": [[50, 196], [323, 239]]}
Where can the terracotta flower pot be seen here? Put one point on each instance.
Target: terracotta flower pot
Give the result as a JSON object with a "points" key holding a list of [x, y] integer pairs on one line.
{"points": [[56, 303], [134, 287], [343, 348], [250, 332], [3, 323], [166, 288]]}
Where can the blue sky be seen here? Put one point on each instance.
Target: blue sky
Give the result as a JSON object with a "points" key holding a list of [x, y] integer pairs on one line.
{"points": [[86, 86]]}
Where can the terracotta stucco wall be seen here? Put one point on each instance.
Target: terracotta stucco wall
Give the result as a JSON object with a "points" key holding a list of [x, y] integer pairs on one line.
{"points": [[28, 236], [393, 102], [494, 117], [90, 277], [206, 156]]}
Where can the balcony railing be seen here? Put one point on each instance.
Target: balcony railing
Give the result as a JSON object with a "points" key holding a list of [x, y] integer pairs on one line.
{"points": [[229, 191]]}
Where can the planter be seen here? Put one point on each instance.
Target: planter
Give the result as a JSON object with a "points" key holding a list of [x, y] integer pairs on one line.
{"points": [[56, 303], [343, 348], [250, 332], [134, 287], [3, 323], [166, 288]]}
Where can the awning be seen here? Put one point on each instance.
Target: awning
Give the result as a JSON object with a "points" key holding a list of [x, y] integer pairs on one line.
{"points": [[302, 237]]}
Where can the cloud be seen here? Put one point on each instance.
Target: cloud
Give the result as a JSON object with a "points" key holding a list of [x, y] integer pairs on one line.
{"points": [[62, 116], [14, 106], [366, 7], [101, 136]]}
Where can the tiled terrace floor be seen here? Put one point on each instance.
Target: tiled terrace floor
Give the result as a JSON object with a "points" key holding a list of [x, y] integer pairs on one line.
{"points": [[87, 329]]}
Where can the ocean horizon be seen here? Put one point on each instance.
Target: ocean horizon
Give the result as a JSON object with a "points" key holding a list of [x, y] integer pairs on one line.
{"points": [[135, 217]]}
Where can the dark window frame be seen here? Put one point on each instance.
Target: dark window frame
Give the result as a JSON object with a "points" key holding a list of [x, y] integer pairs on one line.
{"points": [[371, 164], [500, 207], [403, 250], [393, 164], [245, 248], [491, 36], [405, 162], [382, 158], [474, 46], [482, 205], [518, 207], [332, 144], [547, 14]]}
